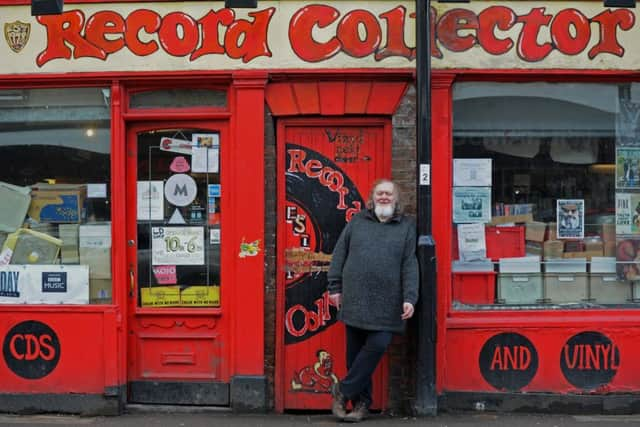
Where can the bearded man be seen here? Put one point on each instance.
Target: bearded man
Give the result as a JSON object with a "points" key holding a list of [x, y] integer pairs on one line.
{"points": [[373, 280]]}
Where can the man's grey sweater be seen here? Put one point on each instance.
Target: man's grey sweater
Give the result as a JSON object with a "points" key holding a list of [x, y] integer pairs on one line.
{"points": [[375, 268]]}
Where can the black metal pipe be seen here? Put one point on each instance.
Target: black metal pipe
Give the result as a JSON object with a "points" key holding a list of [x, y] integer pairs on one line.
{"points": [[426, 400]]}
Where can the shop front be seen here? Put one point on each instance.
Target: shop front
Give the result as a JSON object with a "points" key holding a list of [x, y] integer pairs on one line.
{"points": [[535, 132], [174, 177]]}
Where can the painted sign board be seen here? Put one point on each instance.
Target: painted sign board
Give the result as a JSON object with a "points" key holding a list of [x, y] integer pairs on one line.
{"points": [[293, 34]]}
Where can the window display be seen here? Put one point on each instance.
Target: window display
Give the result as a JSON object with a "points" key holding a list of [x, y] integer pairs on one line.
{"points": [[55, 215], [546, 200]]}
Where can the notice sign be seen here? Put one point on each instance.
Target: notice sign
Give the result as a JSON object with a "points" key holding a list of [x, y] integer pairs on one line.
{"points": [[54, 281], [177, 245], [44, 284]]}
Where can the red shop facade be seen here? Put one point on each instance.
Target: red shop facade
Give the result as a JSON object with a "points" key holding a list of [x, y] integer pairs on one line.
{"points": [[175, 175]]}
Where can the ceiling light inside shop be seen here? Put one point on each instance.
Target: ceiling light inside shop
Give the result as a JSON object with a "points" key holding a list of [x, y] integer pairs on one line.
{"points": [[90, 132]]}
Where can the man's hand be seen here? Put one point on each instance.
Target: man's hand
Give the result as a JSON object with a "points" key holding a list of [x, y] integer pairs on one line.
{"points": [[336, 300], [407, 310]]}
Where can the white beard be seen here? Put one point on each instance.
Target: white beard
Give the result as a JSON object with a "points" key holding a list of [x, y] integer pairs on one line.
{"points": [[384, 211]]}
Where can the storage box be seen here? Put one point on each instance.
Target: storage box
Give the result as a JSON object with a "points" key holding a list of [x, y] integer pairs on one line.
{"points": [[607, 289], [609, 248], [585, 254], [474, 287], [553, 249], [520, 288], [509, 219], [95, 249], [562, 265], [100, 291], [200, 296], [160, 296], [69, 234], [527, 264], [500, 241], [536, 231], [553, 231], [534, 248], [57, 203], [14, 203], [565, 287]]}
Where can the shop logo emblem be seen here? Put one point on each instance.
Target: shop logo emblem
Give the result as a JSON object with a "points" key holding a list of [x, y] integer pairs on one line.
{"points": [[589, 360], [31, 349], [17, 35], [508, 361]]}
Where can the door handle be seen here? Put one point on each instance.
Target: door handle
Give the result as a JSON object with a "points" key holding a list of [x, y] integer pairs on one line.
{"points": [[131, 283]]}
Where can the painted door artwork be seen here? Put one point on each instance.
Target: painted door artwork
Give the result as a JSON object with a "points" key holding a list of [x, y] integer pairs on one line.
{"points": [[325, 171]]}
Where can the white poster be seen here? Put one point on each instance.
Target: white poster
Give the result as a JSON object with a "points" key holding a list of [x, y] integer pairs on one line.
{"points": [[570, 218], [177, 245], [150, 200], [44, 284], [471, 204], [472, 244], [472, 172], [205, 159]]}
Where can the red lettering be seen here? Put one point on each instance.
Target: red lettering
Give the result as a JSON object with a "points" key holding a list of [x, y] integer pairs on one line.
{"points": [[510, 357], [493, 17], [64, 30], [453, 21], [571, 364], [396, 45], [352, 211], [254, 43], [312, 166], [528, 47], [12, 347], [295, 162], [210, 39], [496, 361], [609, 22], [433, 19], [300, 33], [349, 34], [592, 357], [605, 354], [289, 320], [101, 24], [615, 361], [32, 347], [525, 357], [561, 31], [169, 34], [139, 20], [47, 352]]}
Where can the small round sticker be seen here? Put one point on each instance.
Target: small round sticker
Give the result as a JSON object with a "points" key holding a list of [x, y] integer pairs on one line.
{"points": [[180, 189]]}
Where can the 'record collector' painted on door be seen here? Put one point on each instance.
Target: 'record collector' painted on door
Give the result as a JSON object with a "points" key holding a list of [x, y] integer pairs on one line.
{"points": [[325, 171]]}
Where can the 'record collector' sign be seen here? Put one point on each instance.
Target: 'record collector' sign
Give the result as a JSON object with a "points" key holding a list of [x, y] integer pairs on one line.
{"points": [[293, 34]]}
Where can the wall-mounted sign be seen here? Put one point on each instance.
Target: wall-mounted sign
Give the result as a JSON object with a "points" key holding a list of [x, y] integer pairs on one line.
{"points": [[589, 360], [508, 361], [31, 349]]}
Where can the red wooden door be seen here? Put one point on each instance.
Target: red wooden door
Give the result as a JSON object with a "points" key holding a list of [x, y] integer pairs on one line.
{"points": [[325, 170], [177, 337]]}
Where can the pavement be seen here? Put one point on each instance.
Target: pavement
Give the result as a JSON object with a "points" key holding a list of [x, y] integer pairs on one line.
{"points": [[151, 416]]}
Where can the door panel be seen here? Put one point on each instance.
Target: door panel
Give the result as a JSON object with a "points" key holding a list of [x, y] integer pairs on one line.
{"points": [[174, 206], [325, 171]]}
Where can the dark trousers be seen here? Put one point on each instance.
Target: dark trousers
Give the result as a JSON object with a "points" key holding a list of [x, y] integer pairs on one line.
{"points": [[364, 351]]}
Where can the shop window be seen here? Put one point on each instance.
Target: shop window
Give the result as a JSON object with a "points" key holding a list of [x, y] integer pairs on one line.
{"points": [[55, 215], [546, 195], [179, 218], [178, 98]]}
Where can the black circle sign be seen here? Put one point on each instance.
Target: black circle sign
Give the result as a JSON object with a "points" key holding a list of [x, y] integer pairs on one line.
{"points": [[589, 360], [508, 361], [31, 349]]}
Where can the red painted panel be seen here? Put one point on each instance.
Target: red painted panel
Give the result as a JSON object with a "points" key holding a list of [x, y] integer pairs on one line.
{"points": [[281, 99], [60, 351], [307, 97], [312, 212], [388, 96], [357, 97], [332, 98]]}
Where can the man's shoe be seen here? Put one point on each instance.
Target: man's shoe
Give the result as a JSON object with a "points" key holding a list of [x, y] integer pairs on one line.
{"points": [[339, 404], [359, 413]]}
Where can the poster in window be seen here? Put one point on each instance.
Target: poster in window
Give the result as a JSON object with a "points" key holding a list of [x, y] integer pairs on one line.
{"points": [[177, 245], [628, 213], [628, 168], [471, 204], [570, 218], [150, 200], [472, 172], [628, 259]]}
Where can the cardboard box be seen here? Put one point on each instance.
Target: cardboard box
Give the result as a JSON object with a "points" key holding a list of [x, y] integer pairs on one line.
{"points": [[534, 248], [69, 235], [553, 231], [608, 233], [562, 288], [536, 231], [507, 219], [59, 203], [585, 254], [553, 249], [160, 296], [593, 245], [100, 291], [95, 249], [200, 296], [609, 248]]}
